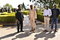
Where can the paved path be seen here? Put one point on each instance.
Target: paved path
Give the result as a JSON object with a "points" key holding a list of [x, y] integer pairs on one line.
{"points": [[9, 33]]}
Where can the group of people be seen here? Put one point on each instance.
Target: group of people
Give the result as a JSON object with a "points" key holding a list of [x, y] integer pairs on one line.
{"points": [[49, 14]]}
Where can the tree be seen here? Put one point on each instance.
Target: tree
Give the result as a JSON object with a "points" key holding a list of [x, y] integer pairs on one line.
{"points": [[7, 7], [45, 2], [57, 2], [23, 5]]}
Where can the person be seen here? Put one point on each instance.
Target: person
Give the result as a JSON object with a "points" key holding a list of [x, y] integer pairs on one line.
{"points": [[54, 17], [32, 18], [20, 18], [35, 13], [47, 13]]}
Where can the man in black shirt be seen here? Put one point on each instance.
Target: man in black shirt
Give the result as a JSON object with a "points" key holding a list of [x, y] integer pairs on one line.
{"points": [[20, 18], [54, 17]]}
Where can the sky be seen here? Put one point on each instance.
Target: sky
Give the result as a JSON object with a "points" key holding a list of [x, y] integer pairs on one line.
{"points": [[14, 3]]}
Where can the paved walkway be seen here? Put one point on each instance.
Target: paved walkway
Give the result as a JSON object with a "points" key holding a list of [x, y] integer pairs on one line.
{"points": [[9, 33]]}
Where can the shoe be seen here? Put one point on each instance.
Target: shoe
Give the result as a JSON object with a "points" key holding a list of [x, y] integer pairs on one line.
{"points": [[18, 32], [55, 31], [21, 31], [45, 31], [33, 30]]}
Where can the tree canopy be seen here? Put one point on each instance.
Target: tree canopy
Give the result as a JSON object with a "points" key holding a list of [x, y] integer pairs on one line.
{"points": [[8, 5], [51, 2]]}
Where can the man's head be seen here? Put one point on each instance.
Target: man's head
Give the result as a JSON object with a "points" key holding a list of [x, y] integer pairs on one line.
{"points": [[19, 6], [54, 6], [46, 7], [31, 6]]}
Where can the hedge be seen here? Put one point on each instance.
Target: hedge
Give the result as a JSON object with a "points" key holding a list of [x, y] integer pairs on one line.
{"points": [[7, 17], [26, 12], [10, 17], [39, 15]]}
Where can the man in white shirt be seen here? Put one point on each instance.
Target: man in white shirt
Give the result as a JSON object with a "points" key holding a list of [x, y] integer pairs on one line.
{"points": [[47, 13]]}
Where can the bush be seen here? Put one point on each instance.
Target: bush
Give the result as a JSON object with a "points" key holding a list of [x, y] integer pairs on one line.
{"points": [[7, 17], [26, 12], [10, 17], [40, 15]]}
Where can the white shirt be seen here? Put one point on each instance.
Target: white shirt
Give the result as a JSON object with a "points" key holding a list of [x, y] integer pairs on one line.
{"points": [[47, 12]]}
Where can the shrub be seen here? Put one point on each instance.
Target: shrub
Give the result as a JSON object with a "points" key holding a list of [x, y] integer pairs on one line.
{"points": [[7, 17], [26, 12], [40, 15], [10, 17]]}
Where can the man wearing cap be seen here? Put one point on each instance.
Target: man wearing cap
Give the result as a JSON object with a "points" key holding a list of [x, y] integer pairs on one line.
{"points": [[20, 18], [54, 17], [47, 13]]}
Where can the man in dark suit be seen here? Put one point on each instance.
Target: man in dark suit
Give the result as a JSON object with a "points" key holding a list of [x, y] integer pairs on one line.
{"points": [[54, 17], [20, 18]]}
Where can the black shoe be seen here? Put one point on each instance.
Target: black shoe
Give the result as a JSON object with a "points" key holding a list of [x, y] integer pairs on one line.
{"points": [[55, 31], [18, 32], [21, 31], [45, 31]]}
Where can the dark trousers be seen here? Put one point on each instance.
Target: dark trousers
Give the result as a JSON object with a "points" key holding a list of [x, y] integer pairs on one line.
{"points": [[19, 26], [54, 21]]}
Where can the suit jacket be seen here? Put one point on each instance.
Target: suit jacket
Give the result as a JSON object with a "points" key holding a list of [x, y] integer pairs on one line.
{"points": [[19, 15]]}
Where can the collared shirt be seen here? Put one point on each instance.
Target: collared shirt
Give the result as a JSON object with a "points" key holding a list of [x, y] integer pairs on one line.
{"points": [[47, 12]]}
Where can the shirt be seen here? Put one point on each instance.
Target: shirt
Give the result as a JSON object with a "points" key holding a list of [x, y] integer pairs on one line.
{"points": [[55, 12], [47, 12]]}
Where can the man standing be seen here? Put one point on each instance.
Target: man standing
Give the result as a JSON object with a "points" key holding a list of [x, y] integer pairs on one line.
{"points": [[19, 17], [47, 13], [54, 17]]}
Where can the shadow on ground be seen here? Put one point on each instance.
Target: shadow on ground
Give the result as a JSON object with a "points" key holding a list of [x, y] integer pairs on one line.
{"points": [[23, 35], [9, 35], [43, 34]]}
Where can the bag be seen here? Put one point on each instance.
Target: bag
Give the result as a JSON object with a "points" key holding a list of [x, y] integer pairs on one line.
{"points": [[26, 21]]}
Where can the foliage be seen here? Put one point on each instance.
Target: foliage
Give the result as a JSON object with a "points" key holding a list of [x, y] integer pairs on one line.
{"points": [[10, 17], [7, 17], [50, 2], [8, 5], [26, 12]]}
